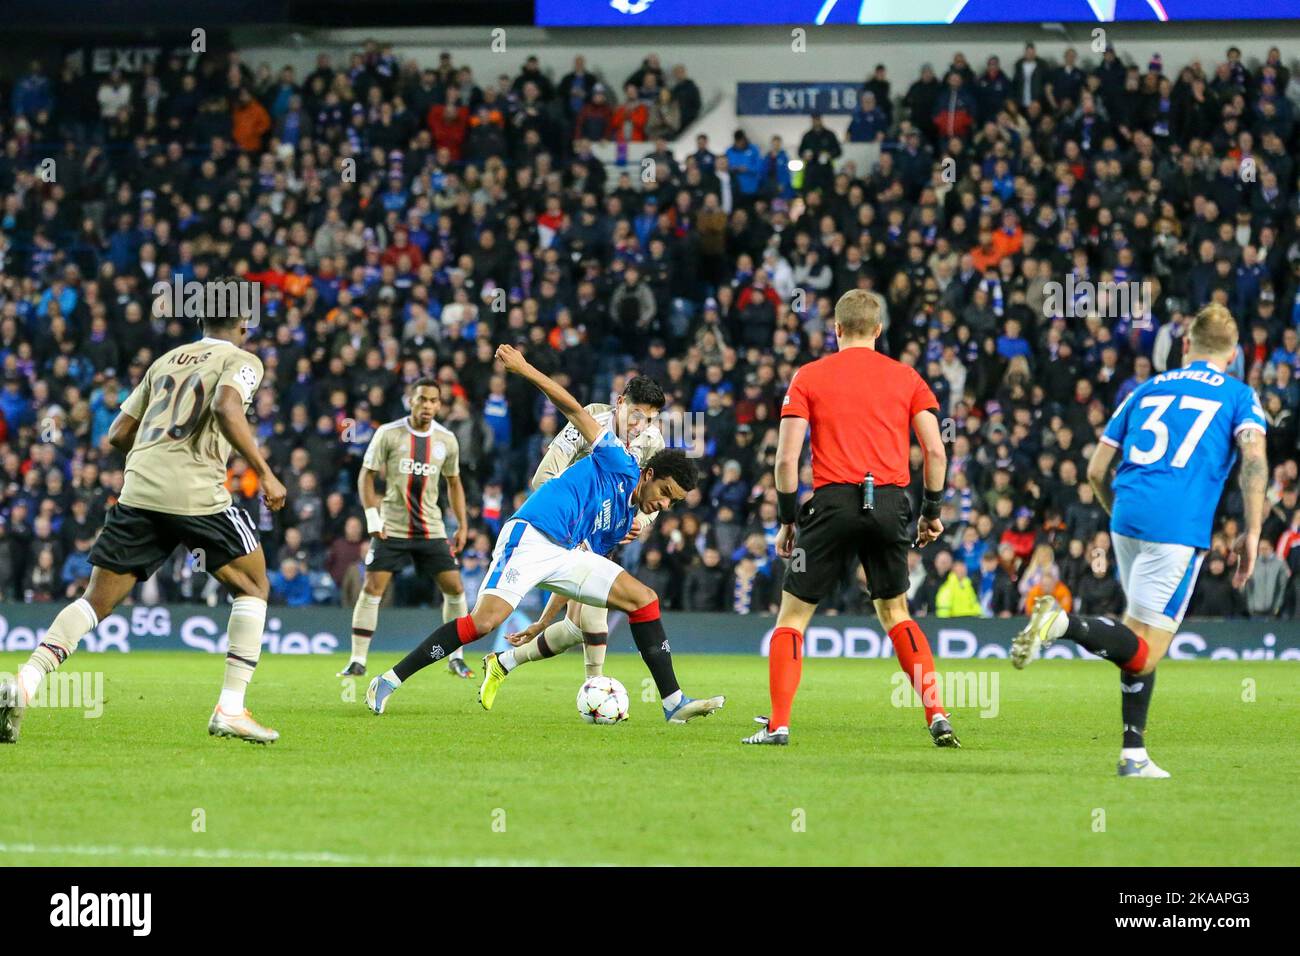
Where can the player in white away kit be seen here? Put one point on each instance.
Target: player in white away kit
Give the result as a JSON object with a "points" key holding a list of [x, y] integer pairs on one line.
{"points": [[1177, 437], [631, 419], [405, 523], [177, 430]]}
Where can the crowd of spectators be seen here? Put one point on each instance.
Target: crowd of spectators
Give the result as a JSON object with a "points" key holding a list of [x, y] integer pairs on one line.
{"points": [[401, 218]]}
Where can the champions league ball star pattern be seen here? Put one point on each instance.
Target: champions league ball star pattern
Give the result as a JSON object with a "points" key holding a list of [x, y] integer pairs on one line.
{"points": [[602, 700]]}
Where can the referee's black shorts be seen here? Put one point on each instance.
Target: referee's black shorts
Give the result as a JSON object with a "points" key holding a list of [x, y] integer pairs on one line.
{"points": [[833, 526]]}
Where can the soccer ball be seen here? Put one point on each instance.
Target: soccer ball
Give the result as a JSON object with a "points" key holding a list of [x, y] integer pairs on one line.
{"points": [[602, 700]]}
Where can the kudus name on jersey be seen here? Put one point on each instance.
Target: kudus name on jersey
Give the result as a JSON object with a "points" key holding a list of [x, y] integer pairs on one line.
{"points": [[75, 908], [409, 466]]}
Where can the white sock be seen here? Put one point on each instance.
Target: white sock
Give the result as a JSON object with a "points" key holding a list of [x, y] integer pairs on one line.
{"points": [[1134, 753], [672, 700], [507, 659], [30, 679], [1057, 627], [454, 606], [247, 619], [365, 618], [392, 678]]}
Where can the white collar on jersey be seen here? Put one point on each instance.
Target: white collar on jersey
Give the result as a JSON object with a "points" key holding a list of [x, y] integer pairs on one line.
{"points": [[1210, 364], [209, 340], [424, 434]]}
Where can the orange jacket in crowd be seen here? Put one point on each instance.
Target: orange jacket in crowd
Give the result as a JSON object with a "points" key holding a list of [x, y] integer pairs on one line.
{"points": [[245, 484], [1060, 592], [1003, 244], [249, 123], [295, 285], [495, 117]]}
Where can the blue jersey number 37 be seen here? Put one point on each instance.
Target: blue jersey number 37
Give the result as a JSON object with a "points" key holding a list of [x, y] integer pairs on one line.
{"points": [[1205, 410]]}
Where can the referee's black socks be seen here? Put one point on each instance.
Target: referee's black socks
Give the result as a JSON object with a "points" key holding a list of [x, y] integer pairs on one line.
{"points": [[652, 642]]}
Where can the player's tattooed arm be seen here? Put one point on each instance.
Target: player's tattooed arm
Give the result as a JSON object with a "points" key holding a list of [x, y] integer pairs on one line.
{"points": [[1099, 474], [1254, 485], [569, 407], [1254, 476]]}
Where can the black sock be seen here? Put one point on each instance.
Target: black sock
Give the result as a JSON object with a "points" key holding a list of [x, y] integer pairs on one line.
{"points": [[1104, 637], [1134, 702], [652, 642], [435, 647]]}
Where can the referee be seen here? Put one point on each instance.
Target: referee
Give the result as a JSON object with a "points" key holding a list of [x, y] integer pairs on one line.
{"points": [[859, 405]]}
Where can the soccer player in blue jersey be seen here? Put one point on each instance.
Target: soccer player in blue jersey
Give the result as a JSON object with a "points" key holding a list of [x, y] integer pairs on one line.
{"points": [[594, 501], [1177, 437]]}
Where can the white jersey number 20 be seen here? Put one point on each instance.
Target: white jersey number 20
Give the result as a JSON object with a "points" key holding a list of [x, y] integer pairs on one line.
{"points": [[1205, 409]]}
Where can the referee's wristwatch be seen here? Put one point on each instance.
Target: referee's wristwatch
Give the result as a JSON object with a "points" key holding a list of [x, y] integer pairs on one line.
{"points": [[787, 506], [931, 504]]}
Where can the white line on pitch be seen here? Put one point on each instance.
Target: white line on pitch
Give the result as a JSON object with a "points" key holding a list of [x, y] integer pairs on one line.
{"points": [[262, 856]]}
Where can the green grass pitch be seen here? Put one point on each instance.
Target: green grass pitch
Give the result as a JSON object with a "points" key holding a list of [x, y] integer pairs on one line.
{"points": [[438, 781]]}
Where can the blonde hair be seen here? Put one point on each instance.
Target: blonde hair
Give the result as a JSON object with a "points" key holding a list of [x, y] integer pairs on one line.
{"points": [[858, 313], [1213, 331]]}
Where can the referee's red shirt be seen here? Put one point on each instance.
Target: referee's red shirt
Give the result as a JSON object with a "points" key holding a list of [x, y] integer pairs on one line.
{"points": [[859, 405]]}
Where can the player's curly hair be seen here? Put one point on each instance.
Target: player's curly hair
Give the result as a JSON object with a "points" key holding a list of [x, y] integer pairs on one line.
{"points": [[643, 390], [673, 463]]}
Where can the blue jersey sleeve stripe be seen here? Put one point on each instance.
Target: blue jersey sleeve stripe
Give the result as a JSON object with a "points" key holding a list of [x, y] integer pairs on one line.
{"points": [[516, 533]]}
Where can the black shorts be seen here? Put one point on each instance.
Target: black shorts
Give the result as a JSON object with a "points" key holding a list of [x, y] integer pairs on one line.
{"points": [[431, 556], [833, 527], [137, 541]]}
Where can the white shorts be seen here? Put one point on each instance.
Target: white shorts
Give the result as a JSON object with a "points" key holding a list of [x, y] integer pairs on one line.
{"points": [[524, 559], [1157, 579]]}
